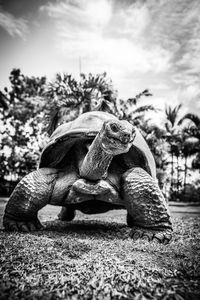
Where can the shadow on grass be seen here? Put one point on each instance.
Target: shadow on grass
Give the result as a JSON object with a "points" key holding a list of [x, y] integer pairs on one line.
{"points": [[86, 228]]}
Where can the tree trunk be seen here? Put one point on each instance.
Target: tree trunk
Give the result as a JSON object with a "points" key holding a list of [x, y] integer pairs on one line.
{"points": [[185, 174], [177, 178], [172, 174]]}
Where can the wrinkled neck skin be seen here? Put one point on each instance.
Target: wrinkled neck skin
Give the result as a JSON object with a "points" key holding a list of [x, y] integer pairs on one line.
{"points": [[96, 161]]}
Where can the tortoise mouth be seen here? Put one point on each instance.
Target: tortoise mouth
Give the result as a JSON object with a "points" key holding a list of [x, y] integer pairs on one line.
{"points": [[111, 144], [115, 139], [119, 135]]}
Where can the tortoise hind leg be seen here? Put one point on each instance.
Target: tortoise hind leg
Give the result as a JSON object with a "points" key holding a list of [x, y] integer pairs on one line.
{"points": [[147, 210], [66, 214], [31, 194], [129, 220]]}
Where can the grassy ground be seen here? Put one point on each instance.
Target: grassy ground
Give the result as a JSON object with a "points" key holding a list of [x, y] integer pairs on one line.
{"points": [[94, 258]]}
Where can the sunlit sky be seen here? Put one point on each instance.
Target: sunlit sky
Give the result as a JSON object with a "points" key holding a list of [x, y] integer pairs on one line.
{"points": [[141, 44]]}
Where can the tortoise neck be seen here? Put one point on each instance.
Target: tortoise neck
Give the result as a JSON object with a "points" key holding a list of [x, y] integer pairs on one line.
{"points": [[96, 161]]}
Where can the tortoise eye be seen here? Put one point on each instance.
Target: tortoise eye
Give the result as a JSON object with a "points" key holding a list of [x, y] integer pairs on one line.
{"points": [[114, 127]]}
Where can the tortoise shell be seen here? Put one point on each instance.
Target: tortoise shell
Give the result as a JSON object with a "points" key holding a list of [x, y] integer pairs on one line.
{"points": [[86, 127]]}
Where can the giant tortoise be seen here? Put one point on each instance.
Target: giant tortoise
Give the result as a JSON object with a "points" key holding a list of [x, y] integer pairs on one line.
{"points": [[93, 164]]}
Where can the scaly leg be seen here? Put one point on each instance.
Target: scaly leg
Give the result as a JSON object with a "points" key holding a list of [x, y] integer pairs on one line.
{"points": [[147, 210], [31, 194]]}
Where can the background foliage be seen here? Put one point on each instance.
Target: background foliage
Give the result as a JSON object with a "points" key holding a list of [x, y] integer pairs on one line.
{"points": [[31, 108]]}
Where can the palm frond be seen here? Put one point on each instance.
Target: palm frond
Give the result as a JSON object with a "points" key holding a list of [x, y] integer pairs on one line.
{"points": [[136, 120], [135, 99], [106, 106], [191, 117], [172, 113], [144, 108], [3, 101], [53, 121]]}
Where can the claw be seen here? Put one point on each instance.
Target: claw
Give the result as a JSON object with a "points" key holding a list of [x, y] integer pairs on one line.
{"points": [[163, 237], [159, 236], [146, 238], [38, 225], [31, 226], [168, 236], [136, 235], [166, 241], [23, 227], [12, 225], [149, 235]]}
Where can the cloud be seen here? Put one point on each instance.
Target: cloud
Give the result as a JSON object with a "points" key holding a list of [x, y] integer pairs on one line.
{"points": [[104, 36], [79, 14], [176, 27], [14, 26], [140, 44], [189, 96]]}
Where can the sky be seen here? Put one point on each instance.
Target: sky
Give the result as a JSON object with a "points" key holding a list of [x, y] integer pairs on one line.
{"points": [[152, 44]]}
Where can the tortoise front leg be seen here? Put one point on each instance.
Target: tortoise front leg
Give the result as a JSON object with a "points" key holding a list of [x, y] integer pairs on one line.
{"points": [[31, 194], [148, 214]]}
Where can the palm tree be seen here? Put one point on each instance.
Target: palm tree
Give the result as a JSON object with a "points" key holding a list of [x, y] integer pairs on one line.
{"points": [[131, 111], [193, 136], [155, 137], [183, 141], [98, 93], [68, 97], [188, 149], [173, 138]]}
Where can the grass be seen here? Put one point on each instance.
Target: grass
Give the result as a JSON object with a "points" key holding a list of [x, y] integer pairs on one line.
{"points": [[94, 258]]}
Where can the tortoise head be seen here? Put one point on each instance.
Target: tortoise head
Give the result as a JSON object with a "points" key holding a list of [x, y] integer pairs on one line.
{"points": [[117, 136]]}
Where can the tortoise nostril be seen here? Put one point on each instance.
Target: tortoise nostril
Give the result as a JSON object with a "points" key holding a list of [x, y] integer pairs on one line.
{"points": [[126, 137]]}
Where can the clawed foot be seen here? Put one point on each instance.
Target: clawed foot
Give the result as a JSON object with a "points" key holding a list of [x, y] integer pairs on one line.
{"points": [[161, 236], [13, 225]]}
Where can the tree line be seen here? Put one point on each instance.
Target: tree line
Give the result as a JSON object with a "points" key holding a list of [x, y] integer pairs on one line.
{"points": [[32, 107]]}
